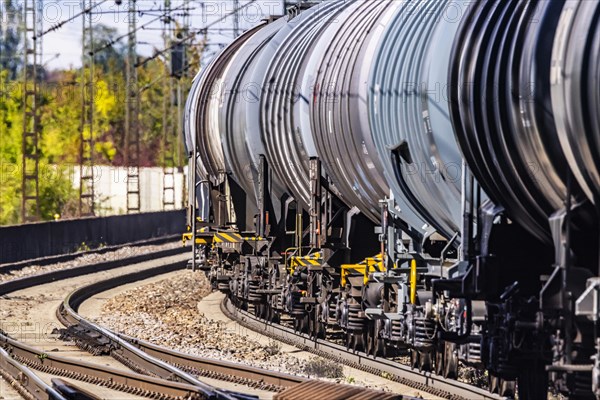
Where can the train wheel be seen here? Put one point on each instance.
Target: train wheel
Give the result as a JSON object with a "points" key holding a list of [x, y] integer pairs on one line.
{"points": [[268, 312], [440, 365], [316, 327], [378, 342], [304, 326], [493, 383], [321, 330], [450, 361], [370, 341], [533, 382], [275, 317], [312, 325], [297, 324], [360, 341], [355, 342], [425, 361], [414, 359], [508, 389]]}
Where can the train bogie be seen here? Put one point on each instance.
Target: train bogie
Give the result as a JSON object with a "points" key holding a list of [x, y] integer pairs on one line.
{"points": [[412, 179]]}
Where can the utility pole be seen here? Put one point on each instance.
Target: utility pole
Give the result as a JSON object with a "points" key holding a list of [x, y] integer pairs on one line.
{"points": [[86, 136], [236, 19], [32, 25], [39, 17], [132, 133], [168, 147], [185, 74]]}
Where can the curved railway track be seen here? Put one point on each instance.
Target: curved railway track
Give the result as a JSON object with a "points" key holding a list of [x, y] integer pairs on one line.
{"points": [[40, 355], [146, 370], [425, 381]]}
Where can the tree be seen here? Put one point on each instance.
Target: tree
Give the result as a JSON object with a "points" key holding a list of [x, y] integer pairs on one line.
{"points": [[60, 118], [109, 54], [10, 38]]}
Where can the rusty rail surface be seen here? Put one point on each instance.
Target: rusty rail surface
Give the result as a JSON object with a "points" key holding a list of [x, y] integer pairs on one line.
{"points": [[130, 382], [24, 380], [199, 366], [159, 372], [425, 381], [17, 360]]}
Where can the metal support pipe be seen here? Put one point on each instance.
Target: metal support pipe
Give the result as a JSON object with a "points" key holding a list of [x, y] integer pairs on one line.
{"points": [[263, 194], [315, 202]]}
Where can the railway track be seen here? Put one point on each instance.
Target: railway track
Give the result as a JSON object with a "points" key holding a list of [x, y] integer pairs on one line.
{"points": [[33, 362], [146, 370], [166, 361], [425, 381], [287, 386]]}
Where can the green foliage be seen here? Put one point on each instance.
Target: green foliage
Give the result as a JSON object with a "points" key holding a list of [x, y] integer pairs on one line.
{"points": [[109, 56], [56, 190], [10, 38], [61, 116]]}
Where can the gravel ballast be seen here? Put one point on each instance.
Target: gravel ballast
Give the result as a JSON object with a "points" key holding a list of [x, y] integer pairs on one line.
{"points": [[166, 313], [87, 259]]}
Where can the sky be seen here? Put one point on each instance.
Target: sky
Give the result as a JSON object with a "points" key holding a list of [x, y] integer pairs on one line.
{"points": [[62, 47]]}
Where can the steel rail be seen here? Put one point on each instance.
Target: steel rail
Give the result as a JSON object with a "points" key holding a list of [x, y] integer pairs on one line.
{"points": [[121, 349], [21, 357], [426, 381], [290, 387], [14, 266], [24, 380], [19, 353], [45, 277], [222, 370]]}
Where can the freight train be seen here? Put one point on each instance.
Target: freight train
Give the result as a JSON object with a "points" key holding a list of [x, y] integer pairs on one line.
{"points": [[420, 177]]}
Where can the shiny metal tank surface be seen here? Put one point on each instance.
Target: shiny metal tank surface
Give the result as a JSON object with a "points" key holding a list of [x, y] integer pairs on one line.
{"points": [[508, 123], [280, 126], [575, 80], [338, 108], [203, 109], [238, 113], [408, 109]]}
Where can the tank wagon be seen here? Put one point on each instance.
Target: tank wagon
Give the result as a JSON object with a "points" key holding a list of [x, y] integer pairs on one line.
{"points": [[421, 177]]}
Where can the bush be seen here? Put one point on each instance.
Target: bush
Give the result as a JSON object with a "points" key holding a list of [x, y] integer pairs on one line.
{"points": [[322, 368], [273, 348]]}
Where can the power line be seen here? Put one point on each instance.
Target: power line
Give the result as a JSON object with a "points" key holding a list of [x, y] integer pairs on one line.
{"points": [[194, 34], [117, 39], [59, 25]]}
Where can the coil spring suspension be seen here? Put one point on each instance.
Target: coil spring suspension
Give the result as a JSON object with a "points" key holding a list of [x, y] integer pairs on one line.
{"points": [[332, 312], [355, 322], [253, 296], [397, 330], [424, 332], [471, 352], [581, 383], [223, 283]]}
